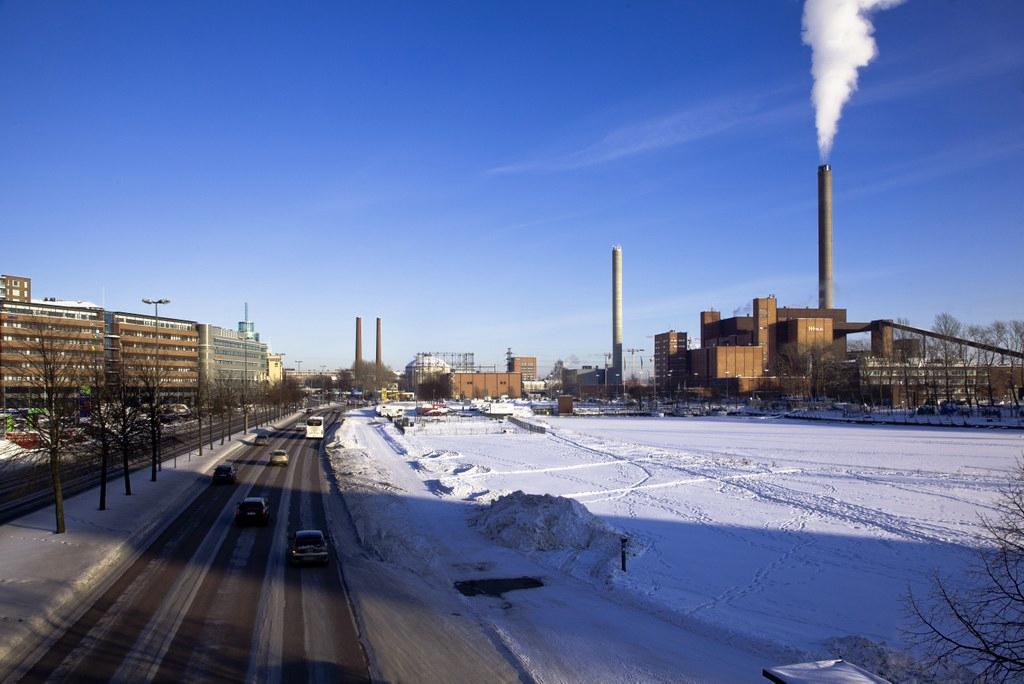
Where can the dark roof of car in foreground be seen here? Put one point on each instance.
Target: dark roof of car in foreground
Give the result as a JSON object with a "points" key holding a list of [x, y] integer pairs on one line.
{"points": [[309, 534]]}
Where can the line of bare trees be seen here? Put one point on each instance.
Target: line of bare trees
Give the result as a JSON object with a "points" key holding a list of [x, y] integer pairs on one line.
{"points": [[64, 376]]}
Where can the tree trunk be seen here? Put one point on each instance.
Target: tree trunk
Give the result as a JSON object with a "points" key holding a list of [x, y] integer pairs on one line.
{"points": [[125, 454], [104, 459], [152, 445], [58, 493]]}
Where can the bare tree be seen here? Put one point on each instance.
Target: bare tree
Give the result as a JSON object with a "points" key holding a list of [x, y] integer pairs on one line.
{"points": [[226, 395], [126, 407], [151, 380], [371, 377], [983, 625], [101, 420], [1010, 335], [57, 364], [949, 354]]}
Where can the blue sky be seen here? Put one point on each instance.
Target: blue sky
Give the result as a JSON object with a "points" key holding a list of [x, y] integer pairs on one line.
{"points": [[462, 169]]}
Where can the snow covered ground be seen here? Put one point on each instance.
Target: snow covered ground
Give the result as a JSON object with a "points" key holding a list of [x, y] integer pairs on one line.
{"points": [[752, 540]]}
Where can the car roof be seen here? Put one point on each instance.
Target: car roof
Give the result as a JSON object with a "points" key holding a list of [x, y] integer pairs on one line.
{"points": [[225, 466], [309, 533], [254, 499], [275, 452]]}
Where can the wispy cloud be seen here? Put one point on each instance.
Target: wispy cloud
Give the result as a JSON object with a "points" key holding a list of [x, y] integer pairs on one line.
{"points": [[950, 161], [683, 126], [970, 68]]}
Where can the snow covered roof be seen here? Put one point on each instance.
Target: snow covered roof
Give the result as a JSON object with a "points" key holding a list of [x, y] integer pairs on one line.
{"points": [[74, 303], [822, 672], [432, 363]]}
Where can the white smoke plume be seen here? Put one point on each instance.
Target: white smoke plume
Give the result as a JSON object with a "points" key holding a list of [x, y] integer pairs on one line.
{"points": [[839, 33]]}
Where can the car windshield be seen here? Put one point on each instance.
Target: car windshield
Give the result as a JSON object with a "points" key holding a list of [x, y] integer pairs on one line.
{"points": [[309, 538], [222, 470]]}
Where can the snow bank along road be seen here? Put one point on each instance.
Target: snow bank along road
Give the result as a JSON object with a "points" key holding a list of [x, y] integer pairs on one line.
{"points": [[789, 532], [212, 601]]}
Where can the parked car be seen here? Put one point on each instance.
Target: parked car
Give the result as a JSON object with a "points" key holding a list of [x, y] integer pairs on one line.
{"points": [[307, 546], [225, 474], [253, 510], [261, 439], [278, 457]]}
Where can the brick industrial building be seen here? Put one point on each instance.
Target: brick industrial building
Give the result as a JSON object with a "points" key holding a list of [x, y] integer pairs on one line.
{"points": [[486, 384], [782, 349], [527, 365]]}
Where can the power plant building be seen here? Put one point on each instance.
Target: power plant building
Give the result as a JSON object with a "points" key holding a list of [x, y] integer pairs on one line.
{"points": [[525, 365]]}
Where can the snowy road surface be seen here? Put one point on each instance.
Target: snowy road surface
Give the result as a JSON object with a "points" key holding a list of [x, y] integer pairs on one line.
{"points": [[211, 600], [771, 534]]}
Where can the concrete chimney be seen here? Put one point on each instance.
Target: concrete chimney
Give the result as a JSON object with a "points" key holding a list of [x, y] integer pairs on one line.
{"points": [[825, 236], [616, 369], [380, 358], [359, 339]]}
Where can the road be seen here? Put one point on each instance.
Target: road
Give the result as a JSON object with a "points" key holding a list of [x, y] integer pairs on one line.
{"points": [[212, 601]]}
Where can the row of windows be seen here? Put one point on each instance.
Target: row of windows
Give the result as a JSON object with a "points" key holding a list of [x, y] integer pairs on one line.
{"points": [[150, 322], [162, 347], [51, 327], [148, 335], [47, 312]]}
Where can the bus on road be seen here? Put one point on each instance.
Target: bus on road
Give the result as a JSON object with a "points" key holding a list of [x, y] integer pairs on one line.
{"points": [[315, 427]]}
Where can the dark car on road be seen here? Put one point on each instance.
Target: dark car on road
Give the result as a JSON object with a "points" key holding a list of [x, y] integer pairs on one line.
{"points": [[307, 546], [253, 510], [224, 474]]}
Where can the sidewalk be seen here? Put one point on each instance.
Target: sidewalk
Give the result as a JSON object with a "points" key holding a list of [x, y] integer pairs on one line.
{"points": [[47, 580]]}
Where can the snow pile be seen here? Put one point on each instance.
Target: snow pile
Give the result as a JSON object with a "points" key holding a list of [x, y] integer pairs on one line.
{"points": [[558, 529], [10, 450]]}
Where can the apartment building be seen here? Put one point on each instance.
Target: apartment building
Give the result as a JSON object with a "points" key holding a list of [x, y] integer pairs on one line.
{"points": [[34, 332], [141, 347]]}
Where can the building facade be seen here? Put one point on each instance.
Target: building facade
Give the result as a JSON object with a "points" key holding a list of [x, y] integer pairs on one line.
{"points": [[486, 385], [235, 356], [671, 366], [15, 288], [526, 365], [275, 368], [143, 350], [34, 333]]}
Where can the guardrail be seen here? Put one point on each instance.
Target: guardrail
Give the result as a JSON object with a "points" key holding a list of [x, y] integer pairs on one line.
{"points": [[526, 425]]}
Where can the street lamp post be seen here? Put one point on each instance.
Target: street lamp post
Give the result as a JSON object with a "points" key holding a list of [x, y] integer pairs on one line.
{"points": [[154, 419], [245, 376]]}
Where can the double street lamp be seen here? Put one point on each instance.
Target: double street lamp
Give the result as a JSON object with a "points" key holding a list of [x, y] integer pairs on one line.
{"points": [[154, 418]]}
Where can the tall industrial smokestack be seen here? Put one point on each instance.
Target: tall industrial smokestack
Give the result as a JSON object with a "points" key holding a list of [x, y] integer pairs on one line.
{"points": [[616, 378], [359, 340], [825, 236], [380, 359]]}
